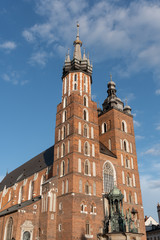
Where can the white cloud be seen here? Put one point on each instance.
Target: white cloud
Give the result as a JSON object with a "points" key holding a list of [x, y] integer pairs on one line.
{"points": [[154, 151], [138, 137], [8, 45], [151, 186], [14, 78], [39, 58], [158, 127], [157, 92], [136, 123]]}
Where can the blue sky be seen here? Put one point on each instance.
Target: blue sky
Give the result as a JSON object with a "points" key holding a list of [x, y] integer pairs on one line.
{"points": [[122, 38]]}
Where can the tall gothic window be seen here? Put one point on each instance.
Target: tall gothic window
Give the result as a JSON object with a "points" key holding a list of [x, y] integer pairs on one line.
{"points": [[20, 195], [85, 115], [124, 126], [62, 168], [85, 101], [85, 84], [65, 102], [87, 167], [104, 128], [108, 178], [86, 149], [64, 116], [85, 131], [75, 82], [9, 229]]}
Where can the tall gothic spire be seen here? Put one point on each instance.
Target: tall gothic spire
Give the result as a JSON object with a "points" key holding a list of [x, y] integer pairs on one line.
{"points": [[77, 45], [78, 62]]}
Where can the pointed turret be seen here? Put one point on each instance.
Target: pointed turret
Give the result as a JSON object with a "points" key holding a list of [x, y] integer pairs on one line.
{"points": [[77, 63], [112, 101]]}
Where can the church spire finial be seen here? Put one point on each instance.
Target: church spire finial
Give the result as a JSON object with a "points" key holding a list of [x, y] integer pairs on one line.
{"points": [[77, 45], [110, 77], [77, 30]]}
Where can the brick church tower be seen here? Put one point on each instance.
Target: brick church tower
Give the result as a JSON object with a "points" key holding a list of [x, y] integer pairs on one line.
{"points": [[94, 150], [61, 193]]}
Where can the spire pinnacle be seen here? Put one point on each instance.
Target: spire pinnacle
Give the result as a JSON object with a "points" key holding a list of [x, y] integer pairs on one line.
{"points": [[77, 45], [77, 30], [126, 101], [110, 77]]}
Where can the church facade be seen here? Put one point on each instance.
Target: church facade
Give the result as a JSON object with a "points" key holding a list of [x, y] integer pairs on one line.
{"points": [[59, 194]]}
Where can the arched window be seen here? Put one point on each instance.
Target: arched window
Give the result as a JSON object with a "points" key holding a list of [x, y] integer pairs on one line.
{"points": [[68, 166], [87, 188], [87, 228], [85, 130], [127, 163], [9, 229], [134, 181], [26, 235], [20, 195], [86, 149], [85, 84], [85, 101], [128, 180], [85, 114], [135, 197], [31, 189], [125, 145], [123, 177], [124, 126], [130, 197], [62, 168], [65, 102], [59, 134], [62, 150], [83, 207], [65, 85], [104, 128], [75, 82], [87, 167], [92, 132], [9, 197], [108, 177], [68, 146], [63, 132], [64, 116], [42, 181]]}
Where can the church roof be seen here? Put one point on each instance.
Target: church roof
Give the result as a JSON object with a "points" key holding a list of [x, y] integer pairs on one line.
{"points": [[36, 164], [16, 207], [105, 150]]}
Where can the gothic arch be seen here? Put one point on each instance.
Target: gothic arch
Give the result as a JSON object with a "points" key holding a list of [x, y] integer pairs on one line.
{"points": [[112, 170]]}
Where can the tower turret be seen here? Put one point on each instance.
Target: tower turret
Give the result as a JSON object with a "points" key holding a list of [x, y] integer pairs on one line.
{"points": [[77, 63]]}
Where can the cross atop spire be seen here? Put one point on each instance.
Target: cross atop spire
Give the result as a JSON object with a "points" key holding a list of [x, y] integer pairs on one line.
{"points": [[77, 46], [110, 77]]}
